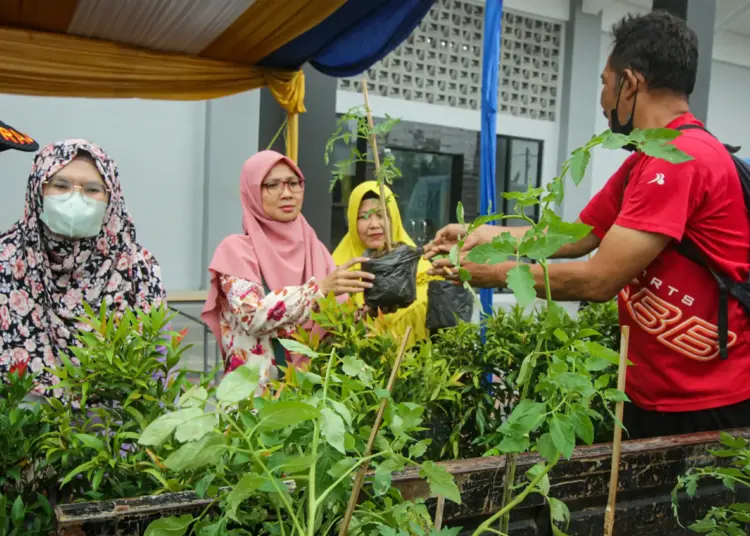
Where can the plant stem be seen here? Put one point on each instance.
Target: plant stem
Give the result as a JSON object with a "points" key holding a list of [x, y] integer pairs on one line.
{"points": [[376, 157], [486, 526], [312, 503], [359, 480], [268, 473]]}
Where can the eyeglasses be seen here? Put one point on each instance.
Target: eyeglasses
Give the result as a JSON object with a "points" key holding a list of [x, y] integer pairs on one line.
{"points": [[277, 187], [93, 189]]}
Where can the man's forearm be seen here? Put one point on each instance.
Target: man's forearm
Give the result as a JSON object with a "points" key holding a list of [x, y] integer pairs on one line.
{"points": [[569, 281]]}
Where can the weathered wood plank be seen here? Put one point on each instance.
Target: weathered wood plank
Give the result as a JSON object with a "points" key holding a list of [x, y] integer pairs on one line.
{"points": [[649, 470]]}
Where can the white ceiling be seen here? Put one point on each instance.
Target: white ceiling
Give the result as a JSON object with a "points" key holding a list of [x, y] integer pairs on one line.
{"points": [[731, 15]]}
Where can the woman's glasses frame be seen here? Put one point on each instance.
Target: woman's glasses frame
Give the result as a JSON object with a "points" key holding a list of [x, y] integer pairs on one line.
{"points": [[276, 187]]}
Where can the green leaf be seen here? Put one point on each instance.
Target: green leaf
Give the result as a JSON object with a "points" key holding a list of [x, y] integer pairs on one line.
{"points": [[534, 472], [579, 161], [342, 410], [453, 255], [522, 283], [495, 252], [195, 396], [546, 447], [460, 212], [601, 352], [526, 369], [563, 435], [613, 395], [298, 348], [511, 443], [732, 442], [383, 476], [169, 526], [615, 141], [342, 466], [560, 335], [665, 151], [662, 134], [602, 381], [583, 426], [526, 417], [559, 511], [238, 385], [417, 450], [441, 481], [277, 415], [332, 428], [158, 431], [356, 368], [596, 364], [196, 454], [17, 512], [247, 485], [194, 429], [203, 484], [91, 442]]}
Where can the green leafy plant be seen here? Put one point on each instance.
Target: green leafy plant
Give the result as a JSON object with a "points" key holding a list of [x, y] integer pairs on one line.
{"points": [[352, 127], [121, 378], [561, 377], [24, 508], [282, 462], [730, 520]]}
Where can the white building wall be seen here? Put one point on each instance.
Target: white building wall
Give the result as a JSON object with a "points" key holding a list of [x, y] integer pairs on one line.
{"points": [[161, 150]]}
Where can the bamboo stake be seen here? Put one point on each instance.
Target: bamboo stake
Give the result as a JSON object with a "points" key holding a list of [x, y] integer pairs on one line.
{"points": [[360, 479], [376, 157], [614, 477], [439, 512]]}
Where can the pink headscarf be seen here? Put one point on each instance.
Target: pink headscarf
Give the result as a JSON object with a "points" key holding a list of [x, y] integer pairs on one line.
{"points": [[280, 253]]}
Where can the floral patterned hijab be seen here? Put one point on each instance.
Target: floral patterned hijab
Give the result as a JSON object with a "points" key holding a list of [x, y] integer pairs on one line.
{"points": [[44, 279]]}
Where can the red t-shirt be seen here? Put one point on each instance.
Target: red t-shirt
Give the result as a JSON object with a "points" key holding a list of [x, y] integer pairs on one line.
{"points": [[672, 307]]}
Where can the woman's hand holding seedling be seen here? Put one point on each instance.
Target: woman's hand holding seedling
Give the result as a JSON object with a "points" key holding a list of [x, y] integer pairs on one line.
{"points": [[343, 280]]}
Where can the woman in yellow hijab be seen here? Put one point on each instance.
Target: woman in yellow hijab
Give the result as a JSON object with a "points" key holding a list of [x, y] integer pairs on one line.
{"points": [[367, 231]]}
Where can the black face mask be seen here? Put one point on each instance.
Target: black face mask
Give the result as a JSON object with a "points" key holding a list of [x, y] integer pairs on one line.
{"points": [[614, 119]]}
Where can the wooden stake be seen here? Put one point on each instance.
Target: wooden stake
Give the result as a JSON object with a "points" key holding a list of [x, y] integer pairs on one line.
{"points": [[360, 478], [439, 512], [614, 477], [376, 157]]}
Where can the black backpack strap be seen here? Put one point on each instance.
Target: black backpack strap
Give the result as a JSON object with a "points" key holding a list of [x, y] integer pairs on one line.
{"points": [[727, 286], [688, 249]]}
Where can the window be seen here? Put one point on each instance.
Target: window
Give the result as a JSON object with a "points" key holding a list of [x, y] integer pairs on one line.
{"points": [[427, 192], [519, 166]]}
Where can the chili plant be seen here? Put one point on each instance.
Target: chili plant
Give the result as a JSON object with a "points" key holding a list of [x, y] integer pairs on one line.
{"points": [[282, 463], [119, 380], [562, 377], [24, 508]]}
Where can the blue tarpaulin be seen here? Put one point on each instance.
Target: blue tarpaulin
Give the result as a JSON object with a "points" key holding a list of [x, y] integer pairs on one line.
{"points": [[354, 37], [488, 135]]}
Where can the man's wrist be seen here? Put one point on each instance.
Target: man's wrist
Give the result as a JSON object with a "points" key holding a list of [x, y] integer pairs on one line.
{"points": [[501, 273]]}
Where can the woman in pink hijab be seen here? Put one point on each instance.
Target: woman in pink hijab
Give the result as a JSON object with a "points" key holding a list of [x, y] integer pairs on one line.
{"points": [[264, 282]]}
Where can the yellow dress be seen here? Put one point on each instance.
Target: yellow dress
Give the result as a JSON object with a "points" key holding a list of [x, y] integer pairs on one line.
{"points": [[351, 246]]}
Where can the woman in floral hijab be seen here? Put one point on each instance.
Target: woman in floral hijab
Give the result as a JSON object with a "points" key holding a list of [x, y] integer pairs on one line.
{"points": [[75, 244]]}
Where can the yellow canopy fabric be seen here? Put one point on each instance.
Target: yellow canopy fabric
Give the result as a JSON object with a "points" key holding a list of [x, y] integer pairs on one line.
{"points": [[351, 246], [154, 49]]}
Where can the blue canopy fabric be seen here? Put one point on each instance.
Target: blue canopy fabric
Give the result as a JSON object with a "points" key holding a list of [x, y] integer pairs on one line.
{"points": [[353, 38], [488, 136]]}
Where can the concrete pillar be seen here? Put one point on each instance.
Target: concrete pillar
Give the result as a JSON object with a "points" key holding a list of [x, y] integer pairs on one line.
{"points": [[701, 17], [315, 127], [580, 93]]}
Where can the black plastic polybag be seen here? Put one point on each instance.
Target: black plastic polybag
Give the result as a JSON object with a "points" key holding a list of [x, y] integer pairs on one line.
{"points": [[395, 283], [447, 304]]}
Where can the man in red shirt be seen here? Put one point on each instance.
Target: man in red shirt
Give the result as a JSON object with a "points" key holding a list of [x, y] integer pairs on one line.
{"points": [[678, 383]]}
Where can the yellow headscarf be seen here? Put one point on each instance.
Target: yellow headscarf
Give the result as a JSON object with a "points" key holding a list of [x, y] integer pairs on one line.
{"points": [[351, 246]]}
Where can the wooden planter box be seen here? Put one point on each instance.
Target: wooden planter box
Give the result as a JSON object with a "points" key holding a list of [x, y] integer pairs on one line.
{"points": [[648, 471]]}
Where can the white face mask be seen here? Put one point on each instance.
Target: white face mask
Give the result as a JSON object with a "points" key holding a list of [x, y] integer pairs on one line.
{"points": [[73, 216]]}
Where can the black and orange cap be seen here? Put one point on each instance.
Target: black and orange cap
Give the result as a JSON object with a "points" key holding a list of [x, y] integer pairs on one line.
{"points": [[10, 138]]}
